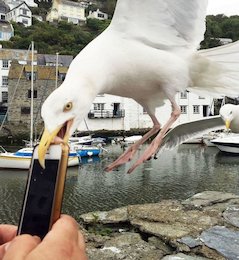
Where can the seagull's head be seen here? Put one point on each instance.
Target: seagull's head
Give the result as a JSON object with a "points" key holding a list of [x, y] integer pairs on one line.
{"points": [[227, 113], [62, 113]]}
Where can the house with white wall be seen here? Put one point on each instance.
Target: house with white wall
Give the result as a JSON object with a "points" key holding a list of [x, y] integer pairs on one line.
{"points": [[117, 113], [14, 3], [98, 15], [64, 10], [20, 14]]}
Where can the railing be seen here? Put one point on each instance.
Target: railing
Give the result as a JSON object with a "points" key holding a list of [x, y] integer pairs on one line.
{"points": [[106, 113]]}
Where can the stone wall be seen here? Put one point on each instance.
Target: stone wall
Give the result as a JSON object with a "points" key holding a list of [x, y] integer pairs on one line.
{"points": [[19, 102]]}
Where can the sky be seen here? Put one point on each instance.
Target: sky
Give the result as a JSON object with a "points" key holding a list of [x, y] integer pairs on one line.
{"points": [[227, 7]]}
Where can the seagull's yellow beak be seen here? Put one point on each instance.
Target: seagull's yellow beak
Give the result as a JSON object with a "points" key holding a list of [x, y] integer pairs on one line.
{"points": [[228, 123], [48, 138]]}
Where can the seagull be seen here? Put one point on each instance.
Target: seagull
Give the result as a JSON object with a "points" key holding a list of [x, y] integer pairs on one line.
{"points": [[230, 115], [148, 53]]}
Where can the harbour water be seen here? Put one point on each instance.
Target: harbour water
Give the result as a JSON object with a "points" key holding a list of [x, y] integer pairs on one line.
{"points": [[176, 174]]}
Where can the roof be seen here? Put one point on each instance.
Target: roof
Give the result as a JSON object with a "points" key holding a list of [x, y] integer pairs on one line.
{"points": [[13, 54], [75, 4], [63, 60], [43, 72], [19, 6]]}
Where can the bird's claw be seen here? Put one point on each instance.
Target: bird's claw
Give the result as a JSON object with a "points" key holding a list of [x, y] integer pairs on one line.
{"points": [[124, 158]]}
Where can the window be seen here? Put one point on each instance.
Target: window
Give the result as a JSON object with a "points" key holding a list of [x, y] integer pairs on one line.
{"points": [[5, 64], [29, 75], [4, 81], [25, 110], [201, 97], [34, 93], [100, 15], [3, 17], [4, 96], [99, 106], [183, 109], [196, 109], [24, 21], [184, 95], [24, 11], [62, 76]]}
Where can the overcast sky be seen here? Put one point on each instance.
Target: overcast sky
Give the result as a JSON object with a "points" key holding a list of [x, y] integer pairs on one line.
{"points": [[227, 7]]}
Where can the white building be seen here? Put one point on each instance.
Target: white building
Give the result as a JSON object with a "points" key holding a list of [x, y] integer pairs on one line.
{"points": [[98, 15], [118, 113], [14, 3], [6, 31], [64, 10], [20, 14]]}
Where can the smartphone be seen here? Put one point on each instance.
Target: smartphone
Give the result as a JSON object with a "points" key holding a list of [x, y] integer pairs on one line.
{"points": [[44, 192]]}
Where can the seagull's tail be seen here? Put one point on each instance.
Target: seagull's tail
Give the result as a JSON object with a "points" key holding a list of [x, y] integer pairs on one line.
{"points": [[209, 77]]}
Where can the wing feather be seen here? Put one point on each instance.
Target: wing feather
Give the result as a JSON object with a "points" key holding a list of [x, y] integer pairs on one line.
{"points": [[161, 23], [184, 132]]}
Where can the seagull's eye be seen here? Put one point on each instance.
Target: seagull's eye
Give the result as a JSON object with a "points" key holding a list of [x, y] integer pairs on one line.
{"points": [[231, 113], [68, 107]]}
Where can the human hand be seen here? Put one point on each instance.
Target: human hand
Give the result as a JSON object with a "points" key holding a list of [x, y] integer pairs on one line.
{"points": [[7, 233], [63, 241]]}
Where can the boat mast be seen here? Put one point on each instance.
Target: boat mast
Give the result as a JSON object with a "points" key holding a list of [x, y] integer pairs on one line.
{"points": [[32, 94], [57, 60]]}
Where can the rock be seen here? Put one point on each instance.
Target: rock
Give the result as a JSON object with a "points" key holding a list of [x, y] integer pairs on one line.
{"points": [[162, 230], [169, 219], [126, 246], [159, 244], [105, 217], [223, 240], [193, 228], [231, 215], [181, 256], [208, 198], [190, 242]]}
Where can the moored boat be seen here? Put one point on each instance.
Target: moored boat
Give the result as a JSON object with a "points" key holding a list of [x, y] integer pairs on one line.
{"points": [[228, 144], [22, 159]]}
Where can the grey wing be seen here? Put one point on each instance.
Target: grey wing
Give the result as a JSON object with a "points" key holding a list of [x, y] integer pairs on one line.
{"points": [[184, 132]]}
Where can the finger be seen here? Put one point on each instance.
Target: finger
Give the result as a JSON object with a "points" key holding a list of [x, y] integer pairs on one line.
{"points": [[7, 233], [20, 247], [61, 242], [65, 229]]}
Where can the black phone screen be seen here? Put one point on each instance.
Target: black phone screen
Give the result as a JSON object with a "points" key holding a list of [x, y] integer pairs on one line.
{"points": [[36, 212]]}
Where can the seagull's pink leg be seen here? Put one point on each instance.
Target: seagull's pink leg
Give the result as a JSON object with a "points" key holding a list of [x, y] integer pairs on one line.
{"points": [[153, 147], [130, 152]]}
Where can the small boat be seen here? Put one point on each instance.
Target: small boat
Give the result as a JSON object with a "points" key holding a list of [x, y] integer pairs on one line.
{"points": [[228, 144], [129, 140], [86, 140], [85, 150], [22, 159]]}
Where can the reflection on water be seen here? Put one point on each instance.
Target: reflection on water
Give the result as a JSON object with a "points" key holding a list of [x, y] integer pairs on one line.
{"points": [[176, 174]]}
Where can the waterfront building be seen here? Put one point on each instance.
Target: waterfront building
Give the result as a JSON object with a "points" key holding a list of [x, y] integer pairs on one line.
{"points": [[44, 83], [117, 113], [6, 58]]}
